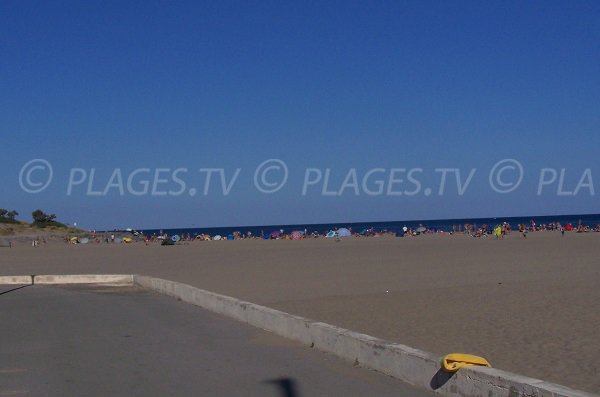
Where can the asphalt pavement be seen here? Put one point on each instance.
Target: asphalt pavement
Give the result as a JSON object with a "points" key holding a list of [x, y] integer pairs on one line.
{"points": [[125, 341]]}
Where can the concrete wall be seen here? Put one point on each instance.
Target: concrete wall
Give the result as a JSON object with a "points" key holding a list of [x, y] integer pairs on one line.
{"points": [[84, 279], [116, 279], [15, 280], [413, 366]]}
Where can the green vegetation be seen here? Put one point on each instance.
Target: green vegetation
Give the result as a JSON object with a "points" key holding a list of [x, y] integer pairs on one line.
{"points": [[10, 226], [7, 216], [43, 220]]}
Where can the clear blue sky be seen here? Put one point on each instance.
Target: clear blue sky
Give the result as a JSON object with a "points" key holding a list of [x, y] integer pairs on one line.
{"points": [[336, 85]]}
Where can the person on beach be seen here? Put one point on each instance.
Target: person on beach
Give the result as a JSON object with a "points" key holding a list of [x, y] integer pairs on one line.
{"points": [[498, 232]]}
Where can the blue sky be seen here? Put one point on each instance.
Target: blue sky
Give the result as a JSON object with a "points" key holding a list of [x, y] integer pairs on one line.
{"points": [[338, 85]]}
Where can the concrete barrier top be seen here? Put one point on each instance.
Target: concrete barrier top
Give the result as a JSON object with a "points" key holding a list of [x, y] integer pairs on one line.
{"points": [[15, 280], [69, 279], [84, 279]]}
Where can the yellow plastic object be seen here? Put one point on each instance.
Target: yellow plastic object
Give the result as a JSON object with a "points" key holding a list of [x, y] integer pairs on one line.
{"points": [[127, 239], [455, 361]]}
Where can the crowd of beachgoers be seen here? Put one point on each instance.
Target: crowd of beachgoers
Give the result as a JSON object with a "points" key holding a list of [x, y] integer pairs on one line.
{"points": [[502, 229], [499, 230]]}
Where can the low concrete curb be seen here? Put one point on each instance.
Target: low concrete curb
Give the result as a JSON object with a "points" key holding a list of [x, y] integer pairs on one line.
{"points": [[10, 280], [116, 279], [410, 365]]}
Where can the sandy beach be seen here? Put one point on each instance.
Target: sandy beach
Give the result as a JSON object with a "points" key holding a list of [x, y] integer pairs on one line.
{"points": [[530, 306]]}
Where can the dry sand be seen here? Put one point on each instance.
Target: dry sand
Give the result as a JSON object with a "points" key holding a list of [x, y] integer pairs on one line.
{"points": [[530, 306]]}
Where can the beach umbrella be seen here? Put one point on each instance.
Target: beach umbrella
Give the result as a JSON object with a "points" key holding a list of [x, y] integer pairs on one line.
{"points": [[421, 229], [230, 237], [331, 234], [343, 232], [296, 235], [175, 238], [275, 234], [74, 240], [127, 240], [84, 240], [217, 237]]}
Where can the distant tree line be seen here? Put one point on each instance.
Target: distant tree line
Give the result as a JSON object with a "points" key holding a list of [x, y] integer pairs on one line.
{"points": [[7, 216], [40, 218]]}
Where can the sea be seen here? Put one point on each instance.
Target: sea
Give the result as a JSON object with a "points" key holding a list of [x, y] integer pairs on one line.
{"points": [[441, 225]]}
